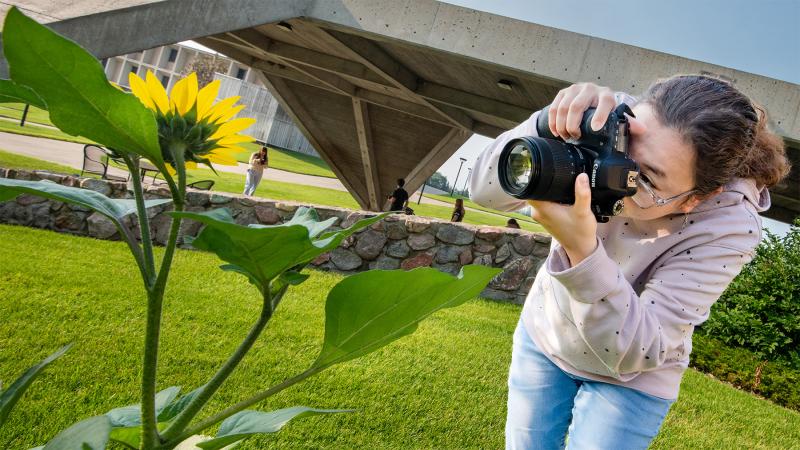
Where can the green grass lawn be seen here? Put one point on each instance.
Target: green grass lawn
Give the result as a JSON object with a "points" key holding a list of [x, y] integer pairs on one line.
{"points": [[39, 131], [442, 387], [234, 183], [35, 115], [470, 204]]}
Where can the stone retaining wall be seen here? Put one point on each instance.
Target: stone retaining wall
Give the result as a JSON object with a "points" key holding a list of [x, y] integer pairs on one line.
{"points": [[399, 241]]}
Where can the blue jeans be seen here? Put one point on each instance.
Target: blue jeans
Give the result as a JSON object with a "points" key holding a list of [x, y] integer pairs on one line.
{"points": [[546, 404]]}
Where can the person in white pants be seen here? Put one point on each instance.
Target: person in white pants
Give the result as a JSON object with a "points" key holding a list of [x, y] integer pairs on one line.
{"points": [[258, 162]]}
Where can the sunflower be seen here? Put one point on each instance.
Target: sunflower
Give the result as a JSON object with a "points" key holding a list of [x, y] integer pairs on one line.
{"points": [[189, 119]]}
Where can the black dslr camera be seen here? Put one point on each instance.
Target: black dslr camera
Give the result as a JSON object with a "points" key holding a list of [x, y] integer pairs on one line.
{"points": [[545, 167]]}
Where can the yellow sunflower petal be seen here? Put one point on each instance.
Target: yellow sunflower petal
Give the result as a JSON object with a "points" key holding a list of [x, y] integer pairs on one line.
{"points": [[220, 108], [234, 139], [223, 159], [120, 88], [184, 94], [157, 93], [228, 115], [206, 97], [139, 89], [191, 165], [233, 127]]}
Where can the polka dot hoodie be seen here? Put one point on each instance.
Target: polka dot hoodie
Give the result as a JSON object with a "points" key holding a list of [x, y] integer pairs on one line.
{"points": [[625, 315]]}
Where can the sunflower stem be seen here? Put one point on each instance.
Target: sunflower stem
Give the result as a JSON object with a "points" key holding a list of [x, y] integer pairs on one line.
{"points": [[231, 410], [144, 224], [155, 301], [194, 407]]}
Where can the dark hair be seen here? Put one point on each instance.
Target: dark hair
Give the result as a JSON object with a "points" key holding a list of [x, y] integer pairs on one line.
{"points": [[264, 157], [459, 204], [728, 133], [401, 182]]}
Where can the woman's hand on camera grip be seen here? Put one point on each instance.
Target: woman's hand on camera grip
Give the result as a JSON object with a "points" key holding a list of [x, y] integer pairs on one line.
{"points": [[566, 111], [573, 226]]}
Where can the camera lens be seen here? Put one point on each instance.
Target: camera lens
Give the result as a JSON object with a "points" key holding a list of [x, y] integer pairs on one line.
{"points": [[540, 169], [520, 166]]}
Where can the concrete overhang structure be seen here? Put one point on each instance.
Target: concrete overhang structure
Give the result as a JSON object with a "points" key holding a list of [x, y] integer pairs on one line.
{"points": [[388, 89]]}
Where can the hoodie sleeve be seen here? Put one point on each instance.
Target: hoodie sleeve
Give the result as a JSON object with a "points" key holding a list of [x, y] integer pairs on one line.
{"points": [[485, 186], [633, 333]]}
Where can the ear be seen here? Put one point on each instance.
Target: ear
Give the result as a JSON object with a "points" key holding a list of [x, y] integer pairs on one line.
{"points": [[695, 200]]}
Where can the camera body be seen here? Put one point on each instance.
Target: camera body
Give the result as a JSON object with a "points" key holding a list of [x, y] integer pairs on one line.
{"points": [[545, 167]]}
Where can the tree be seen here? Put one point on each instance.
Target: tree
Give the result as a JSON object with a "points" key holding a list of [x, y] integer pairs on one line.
{"points": [[439, 181], [205, 66]]}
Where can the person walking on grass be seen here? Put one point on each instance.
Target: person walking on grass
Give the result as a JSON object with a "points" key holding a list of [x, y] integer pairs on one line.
{"points": [[606, 329], [258, 162], [458, 211]]}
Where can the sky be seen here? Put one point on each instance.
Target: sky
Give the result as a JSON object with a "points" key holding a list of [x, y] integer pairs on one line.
{"points": [[761, 37]]}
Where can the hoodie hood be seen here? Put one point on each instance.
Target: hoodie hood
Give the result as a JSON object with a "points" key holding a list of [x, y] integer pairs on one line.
{"points": [[737, 191]]}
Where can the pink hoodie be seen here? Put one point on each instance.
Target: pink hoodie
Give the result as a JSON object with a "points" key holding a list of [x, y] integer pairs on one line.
{"points": [[625, 315]]}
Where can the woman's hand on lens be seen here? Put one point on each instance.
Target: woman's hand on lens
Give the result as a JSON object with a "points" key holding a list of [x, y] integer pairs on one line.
{"points": [[566, 111], [573, 226]]}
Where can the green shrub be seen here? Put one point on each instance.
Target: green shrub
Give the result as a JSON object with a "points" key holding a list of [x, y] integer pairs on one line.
{"points": [[760, 309], [746, 370]]}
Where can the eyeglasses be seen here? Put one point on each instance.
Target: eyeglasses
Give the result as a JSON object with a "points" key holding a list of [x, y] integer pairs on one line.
{"points": [[646, 197]]}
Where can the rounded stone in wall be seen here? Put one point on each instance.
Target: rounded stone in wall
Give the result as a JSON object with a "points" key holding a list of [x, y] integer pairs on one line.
{"points": [[370, 244], [449, 253], [195, 198], [503, 253], [421, 241], [490, 233], [484, 260], [395, 230], [345, 259], [423, 259], [513, 274], [267, 215], [100, 226], [385, 263], [417, 224], [68, 220], [451, 268], [524, 244], [96, 185], [398, 249], [454, 234]]}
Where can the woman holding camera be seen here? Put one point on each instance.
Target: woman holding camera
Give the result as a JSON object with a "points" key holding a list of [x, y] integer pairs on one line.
{"points": [[606, 330]]}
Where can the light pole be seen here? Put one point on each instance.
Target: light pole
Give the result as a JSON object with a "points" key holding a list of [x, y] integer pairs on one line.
{"points": [[466, 182], [419, 200], [463, 160]]}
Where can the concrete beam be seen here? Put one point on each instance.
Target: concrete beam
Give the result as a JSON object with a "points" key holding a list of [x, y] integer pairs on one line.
{"points": [[384, 65], [556, 56], [315, 135], [365, 142]]}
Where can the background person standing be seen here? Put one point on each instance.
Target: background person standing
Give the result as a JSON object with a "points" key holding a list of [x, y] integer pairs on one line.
{"points": [[399, 197], [258, 162], [458, 211]]}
